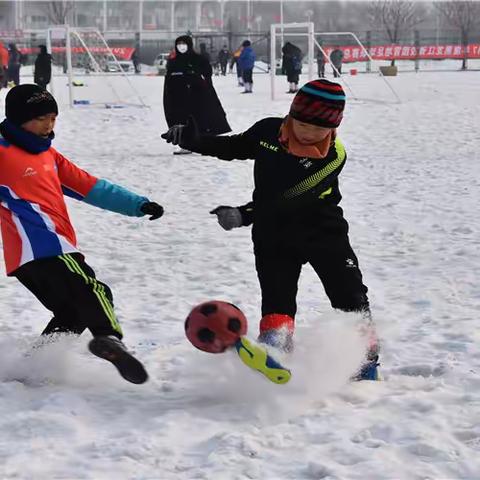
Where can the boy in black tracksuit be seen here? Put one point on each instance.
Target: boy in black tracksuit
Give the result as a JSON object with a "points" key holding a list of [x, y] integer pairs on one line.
{"points": [[295, 214], [39, 241]]}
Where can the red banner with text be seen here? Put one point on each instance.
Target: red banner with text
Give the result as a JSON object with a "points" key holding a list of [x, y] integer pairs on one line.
{"points": [[121, 53], [408, 52]]}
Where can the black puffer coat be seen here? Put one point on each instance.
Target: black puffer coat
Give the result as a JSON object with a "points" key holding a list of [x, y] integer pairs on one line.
{"points": [[189, 91]]}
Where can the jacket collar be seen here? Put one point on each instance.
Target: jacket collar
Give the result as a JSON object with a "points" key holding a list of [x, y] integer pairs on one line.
{"points": [[23, 139]]}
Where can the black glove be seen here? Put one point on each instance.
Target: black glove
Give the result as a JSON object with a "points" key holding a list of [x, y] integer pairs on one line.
{"points": [[183, 135], [153, 209], [228, 217]]}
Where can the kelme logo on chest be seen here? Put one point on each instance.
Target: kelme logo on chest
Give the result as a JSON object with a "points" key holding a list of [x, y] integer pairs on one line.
{"points": [[266, 145]]}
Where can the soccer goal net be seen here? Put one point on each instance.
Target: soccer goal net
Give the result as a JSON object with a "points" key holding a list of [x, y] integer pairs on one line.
{"points": [[319, 46], [93, 72]]}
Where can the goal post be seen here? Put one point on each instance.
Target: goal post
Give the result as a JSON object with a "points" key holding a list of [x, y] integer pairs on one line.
{"points": [[302, 30], [362, 47], [84, 52]]}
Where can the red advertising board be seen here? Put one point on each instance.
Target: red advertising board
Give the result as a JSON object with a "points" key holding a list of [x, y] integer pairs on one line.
{"points": [[408, 52], [121, 53]]}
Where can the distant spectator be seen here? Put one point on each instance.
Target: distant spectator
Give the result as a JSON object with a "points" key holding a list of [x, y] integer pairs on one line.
{"points": [[3, 65], [336, 58], [43, 67], [234, 61], [246, 61], [321, 64], [223, 57], [292, 65], [188, 91], [14, 58], [136, 59], [204, 53]]}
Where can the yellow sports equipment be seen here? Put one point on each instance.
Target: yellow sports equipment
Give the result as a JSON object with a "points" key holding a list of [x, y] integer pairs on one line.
{"points": [[256, 357]]}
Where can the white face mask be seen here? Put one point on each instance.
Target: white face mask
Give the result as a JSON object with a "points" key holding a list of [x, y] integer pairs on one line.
{"points": [[182, 47]]}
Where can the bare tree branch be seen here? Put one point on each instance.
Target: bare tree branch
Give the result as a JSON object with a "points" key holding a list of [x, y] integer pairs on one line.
{"points": [[58, 11], [395, 17], [464, 16]]}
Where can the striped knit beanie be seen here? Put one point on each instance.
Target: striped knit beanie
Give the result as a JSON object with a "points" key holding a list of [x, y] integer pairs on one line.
{"points": [[319, 102]]}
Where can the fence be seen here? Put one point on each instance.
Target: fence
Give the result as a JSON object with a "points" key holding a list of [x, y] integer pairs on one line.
{"points": [[413, 46]]}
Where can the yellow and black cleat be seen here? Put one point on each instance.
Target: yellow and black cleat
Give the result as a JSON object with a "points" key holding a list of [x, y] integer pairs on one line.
{"points": [[257, 358]]}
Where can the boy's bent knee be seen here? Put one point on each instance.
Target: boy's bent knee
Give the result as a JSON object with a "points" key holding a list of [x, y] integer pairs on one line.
{"points": [[352, 303]]}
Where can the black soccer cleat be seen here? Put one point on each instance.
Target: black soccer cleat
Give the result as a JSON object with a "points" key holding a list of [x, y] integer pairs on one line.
{"points": [[112, 349]]}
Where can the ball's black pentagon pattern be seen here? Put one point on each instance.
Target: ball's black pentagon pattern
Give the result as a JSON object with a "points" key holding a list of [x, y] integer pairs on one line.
{"points": [[206, 335], [214, 326], [234, 324], [208, 309]]}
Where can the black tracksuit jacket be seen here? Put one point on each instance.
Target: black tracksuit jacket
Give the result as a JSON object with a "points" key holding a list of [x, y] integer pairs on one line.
{"points": [[295, 215], [293, 196]]}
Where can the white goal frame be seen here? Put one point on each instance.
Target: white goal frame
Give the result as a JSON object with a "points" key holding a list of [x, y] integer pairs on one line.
{"points": [[68, 33], [312, 42], [360, 44]]}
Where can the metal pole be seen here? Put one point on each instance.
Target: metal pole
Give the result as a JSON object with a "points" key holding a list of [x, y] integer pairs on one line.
{"points": [[273, 65], [281, 22], [198, 16], [68, 46], [105, 16], [311, 46], [367, 54], [249, 27], [49, 50], [140, 21], [222, 15]]}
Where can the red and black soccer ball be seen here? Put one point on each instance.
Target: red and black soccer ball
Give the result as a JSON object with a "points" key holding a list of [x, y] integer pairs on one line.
{"points": [[215, 326]]}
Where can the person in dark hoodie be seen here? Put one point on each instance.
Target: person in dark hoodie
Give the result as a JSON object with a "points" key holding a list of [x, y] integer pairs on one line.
{"points": [[14, 57], [188, 91], [295, 213], [43, 68], [39, 241], [223, 57], [292, 65]]}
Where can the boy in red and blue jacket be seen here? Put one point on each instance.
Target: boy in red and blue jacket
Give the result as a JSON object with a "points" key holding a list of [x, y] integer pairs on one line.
{"points": [[38, 238]]}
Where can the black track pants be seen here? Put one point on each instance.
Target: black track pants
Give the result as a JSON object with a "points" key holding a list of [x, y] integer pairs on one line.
{"points": [[247, 75], [336, 265], [67, 286]]}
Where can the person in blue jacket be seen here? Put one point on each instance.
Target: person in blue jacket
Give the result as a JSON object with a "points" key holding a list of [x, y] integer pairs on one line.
{"points": [[246, 62]]}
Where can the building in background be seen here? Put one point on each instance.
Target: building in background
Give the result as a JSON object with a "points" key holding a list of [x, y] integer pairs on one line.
{"points": [[154, 24]]}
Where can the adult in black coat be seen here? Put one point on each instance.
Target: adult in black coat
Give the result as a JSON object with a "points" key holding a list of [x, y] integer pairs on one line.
{"points": [[14, 57], [43, 67], [292, 65], [189, 91], [336, 58]]}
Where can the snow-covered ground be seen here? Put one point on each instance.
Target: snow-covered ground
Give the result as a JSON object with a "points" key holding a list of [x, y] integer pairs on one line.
{"points": [[411, 193]]}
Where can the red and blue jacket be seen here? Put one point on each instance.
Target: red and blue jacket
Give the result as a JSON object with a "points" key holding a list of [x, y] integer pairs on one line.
{"points": [[34, 178]]}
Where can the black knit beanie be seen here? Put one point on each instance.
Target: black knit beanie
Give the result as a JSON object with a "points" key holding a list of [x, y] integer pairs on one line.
{"points": [[28, 101]]}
